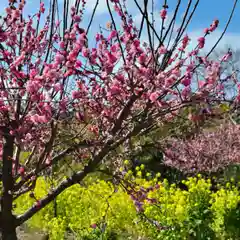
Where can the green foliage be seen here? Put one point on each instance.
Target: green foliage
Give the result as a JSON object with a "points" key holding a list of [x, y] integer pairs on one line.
{"points": [[79, 207], [187, 213], [102, 211]]}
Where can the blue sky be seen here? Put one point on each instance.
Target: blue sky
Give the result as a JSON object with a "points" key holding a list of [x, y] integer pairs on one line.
{"points": [[220, 9], [206, 12]]}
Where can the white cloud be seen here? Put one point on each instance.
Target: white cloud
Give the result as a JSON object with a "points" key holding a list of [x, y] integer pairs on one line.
{"points": [[101, 8]]}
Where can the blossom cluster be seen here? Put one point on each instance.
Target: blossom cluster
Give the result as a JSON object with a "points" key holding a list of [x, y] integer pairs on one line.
{"points": [[208, 151], [47, 76]]}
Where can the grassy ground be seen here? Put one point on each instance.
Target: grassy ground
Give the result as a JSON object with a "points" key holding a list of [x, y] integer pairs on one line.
{"points": [[24, 233]]}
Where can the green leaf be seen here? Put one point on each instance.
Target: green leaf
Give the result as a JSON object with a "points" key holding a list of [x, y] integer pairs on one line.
{"points": [[224, 107]]}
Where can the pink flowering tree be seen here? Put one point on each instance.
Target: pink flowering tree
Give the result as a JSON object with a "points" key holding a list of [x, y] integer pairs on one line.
{"points": [[54, 83], [208, 152]]}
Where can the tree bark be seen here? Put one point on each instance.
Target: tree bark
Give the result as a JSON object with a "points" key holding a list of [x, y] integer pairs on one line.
{"points": [[8, 223]]}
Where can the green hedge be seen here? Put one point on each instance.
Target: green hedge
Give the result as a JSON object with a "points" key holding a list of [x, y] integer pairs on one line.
{"points": [[100, 211]]}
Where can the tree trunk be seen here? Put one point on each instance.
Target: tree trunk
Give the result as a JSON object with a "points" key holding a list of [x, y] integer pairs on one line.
{"points": [[8, 224]]}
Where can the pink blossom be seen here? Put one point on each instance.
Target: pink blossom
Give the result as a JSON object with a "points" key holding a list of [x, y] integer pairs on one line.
{"points": [[201, 42], [93, 225], [33, 86], [4, 109], [63, 104], [170, 81], [72, 56], [214, 25], [59, 58], [142, 58], [8, 10], [154, 96], [42, 9], [34, 118], [28, 136], [76, 94], [185, 41], [163, 13], [185, 92], [21, 171], [226, 57], [136, 43], [162, 50], [42, 119], [85, 52], [206, 30], [112, 35], [98, 37], [58, 87], [57, 23], [114, 90], [62, 44], [201, 84], [78, 64], [69, 73], [114, 48], [186, 81], [33, 73], [111, 58], [48, 161], [77, 18]]}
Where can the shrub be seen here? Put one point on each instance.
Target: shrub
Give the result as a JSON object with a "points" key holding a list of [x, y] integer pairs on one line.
{"points": [[102, 211]]}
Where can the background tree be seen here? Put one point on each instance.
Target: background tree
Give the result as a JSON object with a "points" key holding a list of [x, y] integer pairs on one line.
{"points": [[209, 151]]}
